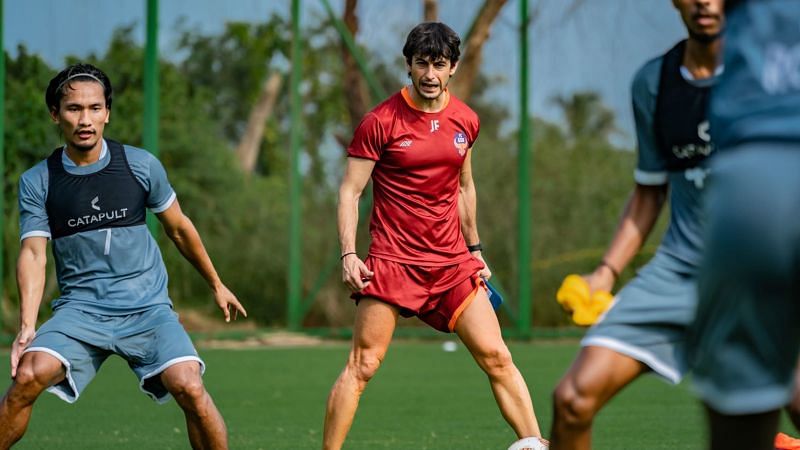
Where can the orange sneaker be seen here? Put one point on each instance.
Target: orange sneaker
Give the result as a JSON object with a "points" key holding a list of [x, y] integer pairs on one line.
{"points": [[786, 442]]}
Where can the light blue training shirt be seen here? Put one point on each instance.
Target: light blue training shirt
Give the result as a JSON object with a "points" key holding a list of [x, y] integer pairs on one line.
{"points": [[113, 271]]}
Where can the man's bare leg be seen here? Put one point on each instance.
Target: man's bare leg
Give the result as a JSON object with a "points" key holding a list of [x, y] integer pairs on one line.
{"points": [[479, 330], [203, 420], [36, 372], [596, 375], [372, 334]]}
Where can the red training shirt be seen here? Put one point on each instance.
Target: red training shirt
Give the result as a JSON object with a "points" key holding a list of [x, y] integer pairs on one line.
{"points": [[418, 157]]}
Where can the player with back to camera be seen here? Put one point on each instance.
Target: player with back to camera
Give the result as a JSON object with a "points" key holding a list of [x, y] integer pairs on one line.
{"points": [[90, 197], [425, 257]]}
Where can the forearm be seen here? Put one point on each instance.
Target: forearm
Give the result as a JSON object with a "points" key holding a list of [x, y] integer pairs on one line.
{"points": [[187, 240], [625, 244], [347, 220], [31, 269], [467, 211], [638, 218]]}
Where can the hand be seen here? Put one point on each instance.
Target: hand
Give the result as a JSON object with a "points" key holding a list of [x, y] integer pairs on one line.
{"points": [[602, 279], [355, 273], [484, 273], [584, 306], [21, 342], [225, 300]]}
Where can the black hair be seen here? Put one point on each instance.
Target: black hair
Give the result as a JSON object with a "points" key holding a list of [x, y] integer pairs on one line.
{"points": [[77, 72], [432, 40]]}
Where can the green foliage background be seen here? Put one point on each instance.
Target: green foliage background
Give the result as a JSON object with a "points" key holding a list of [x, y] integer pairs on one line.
{"points": [[579, 185]]}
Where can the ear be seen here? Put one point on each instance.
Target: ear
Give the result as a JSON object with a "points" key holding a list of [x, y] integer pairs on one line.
{"points": [[108, 114], [54, 115], [453, 68]]}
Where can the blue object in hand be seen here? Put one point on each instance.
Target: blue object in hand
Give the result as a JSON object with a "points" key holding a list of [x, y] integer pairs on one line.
{"points": [[494, 296]]}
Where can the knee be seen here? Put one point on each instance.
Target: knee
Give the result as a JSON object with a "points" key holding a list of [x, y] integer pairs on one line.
{"points": [[26, 376], [573, 406], [192, 389], [364, 366], [28, 383], [187, 386], [496, 361]]}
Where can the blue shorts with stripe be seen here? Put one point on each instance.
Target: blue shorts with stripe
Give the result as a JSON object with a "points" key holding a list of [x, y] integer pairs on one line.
{"points": [[649, 317], [150, 341]]}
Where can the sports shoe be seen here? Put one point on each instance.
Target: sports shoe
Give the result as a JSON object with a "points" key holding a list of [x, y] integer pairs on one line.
{"points": [[530, 443], [786, 442]]}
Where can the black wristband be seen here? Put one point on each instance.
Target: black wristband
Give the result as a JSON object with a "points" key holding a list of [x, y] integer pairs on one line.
{"points": [[475, 247], [611, 268], [345, 254]]}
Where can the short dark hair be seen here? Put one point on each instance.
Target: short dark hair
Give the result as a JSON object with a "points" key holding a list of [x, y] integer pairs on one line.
{"points": [[432, 40], [77, 72]]}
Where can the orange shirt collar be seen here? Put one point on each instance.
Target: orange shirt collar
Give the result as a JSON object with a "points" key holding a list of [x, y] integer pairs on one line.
{"points": [[412, 105]]}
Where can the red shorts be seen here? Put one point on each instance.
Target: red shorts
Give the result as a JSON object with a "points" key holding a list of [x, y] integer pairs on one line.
{"points": [[437, 295]]}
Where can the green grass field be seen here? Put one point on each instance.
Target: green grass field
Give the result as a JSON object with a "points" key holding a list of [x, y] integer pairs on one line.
{"points": [[423, 398]]}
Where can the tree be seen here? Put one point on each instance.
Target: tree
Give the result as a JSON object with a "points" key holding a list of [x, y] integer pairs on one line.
{"points": [[358, 101], [250, 144], [239, 74], [431, 8], [470, 63], [586, 116]]}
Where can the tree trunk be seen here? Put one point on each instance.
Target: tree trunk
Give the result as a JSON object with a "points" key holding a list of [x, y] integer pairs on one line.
{"points": [[357, 97], [431, 10], [249, 146], [470, 64]]}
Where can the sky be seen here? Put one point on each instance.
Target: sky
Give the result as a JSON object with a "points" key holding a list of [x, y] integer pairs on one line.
{"points": [[597, 46]]}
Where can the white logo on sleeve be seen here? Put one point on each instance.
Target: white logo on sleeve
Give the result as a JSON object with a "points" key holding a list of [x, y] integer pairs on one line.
{"points": [[434, 125], [94, 203]]}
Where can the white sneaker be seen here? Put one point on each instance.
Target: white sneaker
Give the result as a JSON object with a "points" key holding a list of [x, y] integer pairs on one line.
{"points": [[530, 443]]}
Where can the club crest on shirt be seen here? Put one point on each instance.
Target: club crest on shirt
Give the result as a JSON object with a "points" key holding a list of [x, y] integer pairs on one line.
{"points": [[460, 142]]}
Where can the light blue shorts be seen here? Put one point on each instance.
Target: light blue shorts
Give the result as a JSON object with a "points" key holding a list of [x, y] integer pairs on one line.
{"points": [[150, 341], [745, 341], [649, 317]]}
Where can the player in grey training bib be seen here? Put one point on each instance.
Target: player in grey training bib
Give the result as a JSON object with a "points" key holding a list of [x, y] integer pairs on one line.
{"points": [[643, 331], [90, 198]]}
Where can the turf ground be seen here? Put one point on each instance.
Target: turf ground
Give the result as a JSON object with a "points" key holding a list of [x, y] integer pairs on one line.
{"points": [[422, 398]]}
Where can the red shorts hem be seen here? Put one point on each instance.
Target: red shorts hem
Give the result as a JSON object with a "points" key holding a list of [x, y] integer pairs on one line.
{"points": [[437, 295], [451, 324]]}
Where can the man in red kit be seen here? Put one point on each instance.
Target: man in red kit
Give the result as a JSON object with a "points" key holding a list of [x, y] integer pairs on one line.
{"points": [[425, 256]]}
